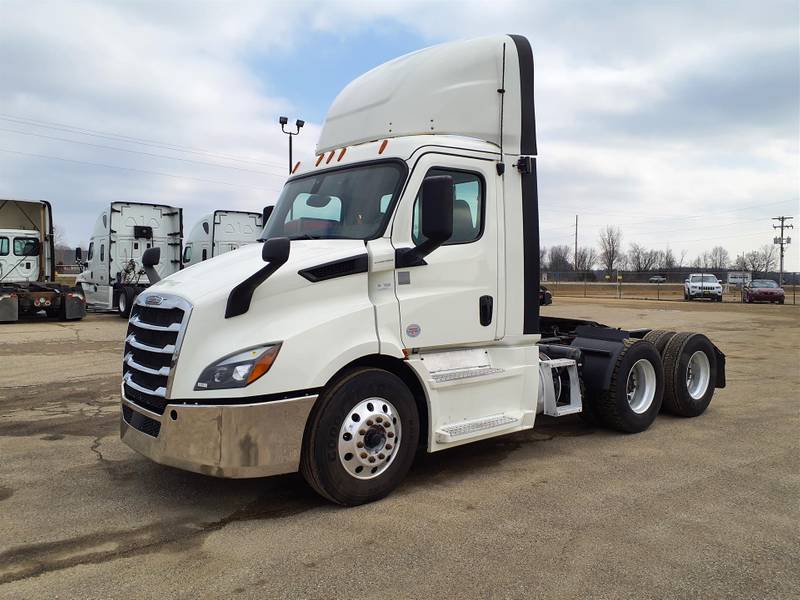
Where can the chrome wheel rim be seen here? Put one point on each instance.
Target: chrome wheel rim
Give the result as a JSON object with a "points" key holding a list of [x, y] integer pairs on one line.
{"points": [[369, 438], [698, 375], [640, 387], [122, 303]]}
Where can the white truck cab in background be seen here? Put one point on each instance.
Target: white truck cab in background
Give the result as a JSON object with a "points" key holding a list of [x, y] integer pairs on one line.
{"points": [[113, 273], [395, 302], [220, 232], [27, 265]]}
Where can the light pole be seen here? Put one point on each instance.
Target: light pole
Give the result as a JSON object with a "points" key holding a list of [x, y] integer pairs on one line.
{"points": [[285, 121]]}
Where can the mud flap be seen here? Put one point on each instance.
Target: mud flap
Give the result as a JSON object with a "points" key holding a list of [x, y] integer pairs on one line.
{"points": [[720, 382], [9, 307], [74, 307]]}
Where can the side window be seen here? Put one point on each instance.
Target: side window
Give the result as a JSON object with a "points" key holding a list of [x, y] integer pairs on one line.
{"points": [[468, 206], [3, 246], [205, 253], [187, 254], [91, 251], [102, 252]]}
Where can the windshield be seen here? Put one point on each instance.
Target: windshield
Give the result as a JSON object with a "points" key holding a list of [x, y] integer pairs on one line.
{"points": [[351, 203], [764, 283], [704, 278]]}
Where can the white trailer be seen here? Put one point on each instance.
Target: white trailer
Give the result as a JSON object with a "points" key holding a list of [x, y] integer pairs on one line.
{"points": [[394, 304], [113, 273], [27, 265], [220, 232]]}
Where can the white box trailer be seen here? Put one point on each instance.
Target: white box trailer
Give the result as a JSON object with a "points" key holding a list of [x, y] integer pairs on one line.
{"points": [[27, 265], [219, 232], [394, 303], [113, 273]]}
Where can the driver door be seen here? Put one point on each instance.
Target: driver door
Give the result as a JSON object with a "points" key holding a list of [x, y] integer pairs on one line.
{"points": [[452, 300]]}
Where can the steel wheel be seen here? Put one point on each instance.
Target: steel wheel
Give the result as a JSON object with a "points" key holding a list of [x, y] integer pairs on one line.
{"points": [[698, 375], [369, 438], [122, 303], [640, 387]]}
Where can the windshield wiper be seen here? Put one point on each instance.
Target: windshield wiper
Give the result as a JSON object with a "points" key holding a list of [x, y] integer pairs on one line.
{"points": [[304, 236]]}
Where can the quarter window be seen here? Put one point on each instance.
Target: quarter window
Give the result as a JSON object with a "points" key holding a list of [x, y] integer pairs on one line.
{"points": [[25, 246], [187, 254], [91, 251], [205, 254], [102, 252], [3, 246], [468, 207]]}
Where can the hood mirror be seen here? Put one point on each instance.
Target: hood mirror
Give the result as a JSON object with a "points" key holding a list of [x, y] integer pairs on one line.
{"points": [[275, 252]]}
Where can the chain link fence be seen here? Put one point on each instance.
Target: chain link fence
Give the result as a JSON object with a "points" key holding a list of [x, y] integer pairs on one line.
{"points": [[659, 285]]}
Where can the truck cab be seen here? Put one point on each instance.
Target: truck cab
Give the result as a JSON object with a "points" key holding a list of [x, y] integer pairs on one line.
{"points": [[394, 303], [220, 232], [19, 255], [113, 273]]}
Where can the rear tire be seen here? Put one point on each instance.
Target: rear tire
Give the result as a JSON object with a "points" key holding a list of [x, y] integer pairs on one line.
{"points": [[634, 397], [352, 453], [690, 373], [659, 338]]}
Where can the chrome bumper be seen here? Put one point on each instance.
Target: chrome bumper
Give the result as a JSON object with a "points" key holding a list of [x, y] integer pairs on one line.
{"points": [[237, 441]]}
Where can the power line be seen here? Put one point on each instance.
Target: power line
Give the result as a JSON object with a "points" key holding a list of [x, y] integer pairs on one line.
{"points": [[95, 164], [186, 160], [130, 139]]}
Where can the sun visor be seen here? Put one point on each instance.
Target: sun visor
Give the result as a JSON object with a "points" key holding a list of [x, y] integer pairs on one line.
{"points": [[450, 89]]}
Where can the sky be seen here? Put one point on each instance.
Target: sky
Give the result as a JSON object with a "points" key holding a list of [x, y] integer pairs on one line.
{"points": [[677, 122]]}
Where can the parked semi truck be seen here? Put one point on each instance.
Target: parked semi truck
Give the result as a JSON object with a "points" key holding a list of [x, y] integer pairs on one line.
{"points": [[113, 274], [394, 302], [27, 265], [220, 232]]}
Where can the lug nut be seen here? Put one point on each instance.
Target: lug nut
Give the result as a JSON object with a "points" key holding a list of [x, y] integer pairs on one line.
{"points": [[381, 456], [363, 455], [362, 432], [369, 421], [371, 459], [379, 419], [360, 444], [390, 434], [388, 446]]}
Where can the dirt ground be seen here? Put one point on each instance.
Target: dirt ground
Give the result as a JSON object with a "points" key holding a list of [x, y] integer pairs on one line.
{"points": [[692, 508]]}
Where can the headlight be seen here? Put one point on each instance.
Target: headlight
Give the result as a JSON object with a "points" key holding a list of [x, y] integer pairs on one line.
{"points": [[238, 370]]}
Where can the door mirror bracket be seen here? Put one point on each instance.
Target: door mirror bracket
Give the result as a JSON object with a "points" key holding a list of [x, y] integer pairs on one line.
{"points": [[436, 220]]}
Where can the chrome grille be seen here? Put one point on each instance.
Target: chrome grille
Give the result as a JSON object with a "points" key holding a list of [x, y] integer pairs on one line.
{"points": [[151, 347]]}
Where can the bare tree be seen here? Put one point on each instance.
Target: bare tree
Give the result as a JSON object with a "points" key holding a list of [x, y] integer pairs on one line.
{"points": [[586, 259], [719, 258], [758, 261], [641, 259], [542, 258], [682, 259], [559, 258], [668, 261], [610, 247]]}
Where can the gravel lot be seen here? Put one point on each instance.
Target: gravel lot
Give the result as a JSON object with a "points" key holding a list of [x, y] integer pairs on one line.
{"points": [[699, 508]]}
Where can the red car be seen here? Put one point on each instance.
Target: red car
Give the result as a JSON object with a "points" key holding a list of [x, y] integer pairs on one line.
{"points": [[762, 290]]}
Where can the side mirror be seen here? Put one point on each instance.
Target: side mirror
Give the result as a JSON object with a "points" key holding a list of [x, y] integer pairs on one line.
{"points": [[276, 250], [436, 220], [78, 255], [436, 208], [150, 259]]}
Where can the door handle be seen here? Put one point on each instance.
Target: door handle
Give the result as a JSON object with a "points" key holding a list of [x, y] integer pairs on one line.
{"points": [[485, 308]]}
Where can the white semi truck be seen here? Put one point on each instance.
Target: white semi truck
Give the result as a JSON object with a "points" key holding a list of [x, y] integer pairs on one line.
{"points": [[27, 265], [394, 303], [220, 232], [113, 274]]}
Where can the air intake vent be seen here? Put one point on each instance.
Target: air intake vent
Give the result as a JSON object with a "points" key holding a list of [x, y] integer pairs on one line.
{"points": [[336, 268]]}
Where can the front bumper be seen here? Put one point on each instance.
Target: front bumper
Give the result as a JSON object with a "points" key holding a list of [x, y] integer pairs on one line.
{"points": [[236, 441]]}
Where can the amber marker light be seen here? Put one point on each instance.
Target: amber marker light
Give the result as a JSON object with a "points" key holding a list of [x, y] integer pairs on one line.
{"points": [[330, 156], [263, 364], [319, 160], [296, 166], [341, 154], [383, 146]]}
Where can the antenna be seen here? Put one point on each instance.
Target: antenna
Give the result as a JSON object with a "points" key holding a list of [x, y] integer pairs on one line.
{"points": [[501, 167]]}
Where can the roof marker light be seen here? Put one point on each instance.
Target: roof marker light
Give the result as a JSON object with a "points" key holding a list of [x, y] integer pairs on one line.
{"points": [[330, 156], [319, 159], [383, 146], [341, 154], [297, 166]]}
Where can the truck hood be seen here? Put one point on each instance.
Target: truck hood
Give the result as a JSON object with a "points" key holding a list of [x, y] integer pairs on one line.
{"points": [[217, 276]]}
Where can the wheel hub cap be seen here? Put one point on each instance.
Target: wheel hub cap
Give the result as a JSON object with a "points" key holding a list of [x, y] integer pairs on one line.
{"points": [[698, 375], [640, 387], [369, 438]]}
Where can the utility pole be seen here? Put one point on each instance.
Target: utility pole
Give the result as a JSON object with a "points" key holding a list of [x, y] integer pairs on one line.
{"points": [[782, 241], [576, 242]]}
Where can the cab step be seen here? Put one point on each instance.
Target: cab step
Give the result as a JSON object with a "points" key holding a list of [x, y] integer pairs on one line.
{"points": [[560, 388], [465, 429]]}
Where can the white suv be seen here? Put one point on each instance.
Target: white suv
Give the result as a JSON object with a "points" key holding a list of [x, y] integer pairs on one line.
{"points": [[702, 285]]}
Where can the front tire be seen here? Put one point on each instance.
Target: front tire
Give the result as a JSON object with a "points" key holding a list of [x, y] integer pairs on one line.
{"points": [[690, 372], [361, 437], [634, 397]]}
